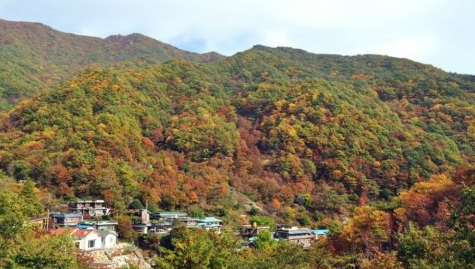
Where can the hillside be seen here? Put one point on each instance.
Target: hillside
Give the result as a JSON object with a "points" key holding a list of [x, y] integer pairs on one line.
{"points": [[35, 57], [278, 125], [379, 150]]}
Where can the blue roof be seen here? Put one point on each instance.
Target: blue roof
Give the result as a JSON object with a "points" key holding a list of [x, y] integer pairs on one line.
{"points": [[210, 219], [84, 226], [320, 231]]}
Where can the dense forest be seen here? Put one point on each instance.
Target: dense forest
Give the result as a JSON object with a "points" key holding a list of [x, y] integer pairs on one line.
{"points": [[378, 149]]}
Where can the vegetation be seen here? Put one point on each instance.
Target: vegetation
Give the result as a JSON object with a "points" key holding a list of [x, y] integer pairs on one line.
{"points": [[22, 245], [45, 57], [377, 149]]}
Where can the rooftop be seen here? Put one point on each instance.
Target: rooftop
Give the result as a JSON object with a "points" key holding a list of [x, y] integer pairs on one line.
{"points": [[299, 231], [210, 219], [100, 222], [87, 201], [320, 231], [83, 232], [67, 215], [170, 212]]}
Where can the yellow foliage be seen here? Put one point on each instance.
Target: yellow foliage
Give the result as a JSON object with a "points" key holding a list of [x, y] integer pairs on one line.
{"points": [[434, 184]]}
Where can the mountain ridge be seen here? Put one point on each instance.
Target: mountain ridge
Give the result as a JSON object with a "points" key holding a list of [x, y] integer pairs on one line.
{"points": [[47, 56]]}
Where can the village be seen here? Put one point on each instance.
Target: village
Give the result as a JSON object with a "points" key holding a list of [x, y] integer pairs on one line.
{"points": [[94, 231]]}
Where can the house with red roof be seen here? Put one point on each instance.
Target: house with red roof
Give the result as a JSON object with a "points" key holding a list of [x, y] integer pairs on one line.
{"points": [[89, 239]]}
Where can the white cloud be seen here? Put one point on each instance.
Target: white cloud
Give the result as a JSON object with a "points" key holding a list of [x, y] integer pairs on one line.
{"points": [[416, 47]]}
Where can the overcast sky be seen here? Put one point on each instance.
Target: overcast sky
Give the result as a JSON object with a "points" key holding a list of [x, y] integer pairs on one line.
{"points": [[437, 32]]}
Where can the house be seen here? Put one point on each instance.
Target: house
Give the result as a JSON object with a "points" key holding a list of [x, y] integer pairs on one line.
{"points": [[162, 222], [85, 239], [146, 225], [249, 231], [210, 223], [320, 233], [93, 208], [188, 221], [301, 236], [66, 219], [169, 215], [142, 228], [99, 225]]}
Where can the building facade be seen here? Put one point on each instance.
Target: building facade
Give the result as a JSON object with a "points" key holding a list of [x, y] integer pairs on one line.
{"points": [[92, 208], [301, 236]]}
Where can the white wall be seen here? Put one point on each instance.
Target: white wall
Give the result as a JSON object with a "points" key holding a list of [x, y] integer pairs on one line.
{"points": [[84, 241], [109, 240]]}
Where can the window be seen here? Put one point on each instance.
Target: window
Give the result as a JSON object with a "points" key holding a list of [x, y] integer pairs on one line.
{"points": [[91, 243]]}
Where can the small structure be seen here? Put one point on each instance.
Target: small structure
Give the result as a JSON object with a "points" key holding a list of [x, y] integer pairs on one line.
{"points": [[141, 228], [93, 208], [87, 239], [169, 215], [249, 231], [301, 236], [99, 225], [211, 223], [143, 224], [108, 238], [40, 223], [188, 221], [162, 222], [66, 219], [320, 233]]}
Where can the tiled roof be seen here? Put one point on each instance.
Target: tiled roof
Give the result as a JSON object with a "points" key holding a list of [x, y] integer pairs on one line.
{"points": [[83, 232]]}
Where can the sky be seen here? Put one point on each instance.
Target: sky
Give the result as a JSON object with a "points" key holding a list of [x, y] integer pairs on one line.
{"points": [[436, 32]]}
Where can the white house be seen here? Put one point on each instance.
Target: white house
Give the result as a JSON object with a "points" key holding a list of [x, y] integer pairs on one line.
{"points": [[87, 239]]}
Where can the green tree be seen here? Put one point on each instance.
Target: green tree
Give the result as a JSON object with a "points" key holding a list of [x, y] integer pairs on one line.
{"points": [[198, 249], [263, 221], [426, 248], [136, 204], [125, 229], [284, 255], [23, 248], [12, 220], [44, 252], [463, 221], [264, 240], [34, 207]]}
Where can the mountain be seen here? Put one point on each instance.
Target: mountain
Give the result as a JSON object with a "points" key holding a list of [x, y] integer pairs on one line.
{"points": [[34, 57], [379, 150], [278, 125]]}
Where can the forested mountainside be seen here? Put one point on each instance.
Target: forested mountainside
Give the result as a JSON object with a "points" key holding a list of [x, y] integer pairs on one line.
{"points": [[379, 149], [34, 57], [275, 124]]}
